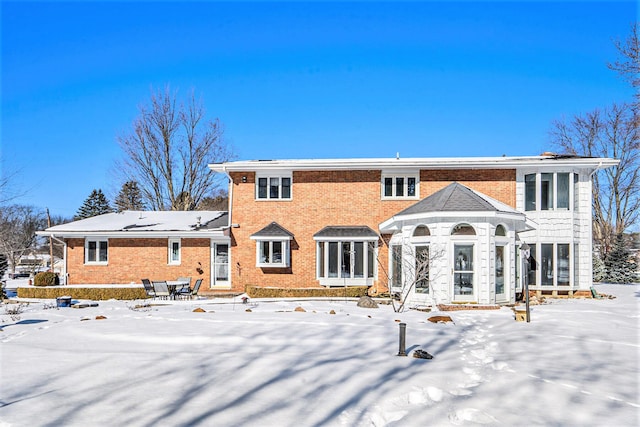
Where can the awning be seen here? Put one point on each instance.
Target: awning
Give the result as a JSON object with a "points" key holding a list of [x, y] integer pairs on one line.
{"points": [[273, 231], [347, 232]]}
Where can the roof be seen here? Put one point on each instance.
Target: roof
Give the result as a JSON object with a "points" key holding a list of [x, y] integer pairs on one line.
{"points": [[341, 231], [422, 163], [456, 200], [273, 230], [456, 197], [144, 223]]}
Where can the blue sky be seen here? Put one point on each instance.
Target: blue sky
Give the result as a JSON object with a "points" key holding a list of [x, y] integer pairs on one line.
{"points": [[297, 80]]}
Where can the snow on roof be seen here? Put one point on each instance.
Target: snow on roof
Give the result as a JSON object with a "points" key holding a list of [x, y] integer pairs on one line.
{"points": [[144, 221]]}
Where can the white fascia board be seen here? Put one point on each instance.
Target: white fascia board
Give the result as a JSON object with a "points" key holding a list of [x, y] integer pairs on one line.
{"points": [[134, 235], [271, 238], [391, 164]]}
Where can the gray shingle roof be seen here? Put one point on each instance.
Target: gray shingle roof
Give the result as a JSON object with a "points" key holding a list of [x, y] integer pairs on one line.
{"points": [[273, 230], [346, 231], [454, 197]]}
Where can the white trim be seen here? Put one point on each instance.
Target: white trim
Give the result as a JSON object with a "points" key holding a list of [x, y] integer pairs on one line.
{"points": [[268, 176], [98, 240], [284, 261], [170, 242], [389, 164]]}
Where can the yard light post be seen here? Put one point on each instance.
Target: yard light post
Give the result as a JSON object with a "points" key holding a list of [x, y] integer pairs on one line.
{"points": [[403, 332], [526, 253]]}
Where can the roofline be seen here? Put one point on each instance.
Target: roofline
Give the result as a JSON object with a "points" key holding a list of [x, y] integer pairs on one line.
{"points": [[217, 232], [389, 224], [407, 163]]}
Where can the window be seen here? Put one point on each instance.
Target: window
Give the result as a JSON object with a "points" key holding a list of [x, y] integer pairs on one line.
{"points": [[272, 253], [422, 269], [551, 192], [463, 269], [96, 251], [273, 188], [396, 266], [395, 186], [346, 259], [530, 192], [174, 251], [554, 265]]}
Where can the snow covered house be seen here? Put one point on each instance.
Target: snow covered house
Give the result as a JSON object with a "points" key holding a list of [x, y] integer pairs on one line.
{"points": [[439, 230], [123, 248]]}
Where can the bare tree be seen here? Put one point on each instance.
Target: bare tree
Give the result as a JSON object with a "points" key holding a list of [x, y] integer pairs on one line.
{"points": [[18, 226], [168, 151], [612, 132], [628, 66], [413, 272]]}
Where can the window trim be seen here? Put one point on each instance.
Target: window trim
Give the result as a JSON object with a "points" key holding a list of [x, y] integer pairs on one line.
{"points": [[98, 240], [269, 177], [170, 260], [286, 252], [394, 176], [573, 181], [369, 272]]}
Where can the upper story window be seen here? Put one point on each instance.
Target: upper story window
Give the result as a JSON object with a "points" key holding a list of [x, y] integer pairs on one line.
{"points": [[96, 251], [548, 191], [174, 251], [395, 186], [273, 187]]}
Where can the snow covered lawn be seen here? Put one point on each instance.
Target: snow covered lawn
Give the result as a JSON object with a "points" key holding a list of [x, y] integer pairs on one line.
{"points": [[576, 363]]}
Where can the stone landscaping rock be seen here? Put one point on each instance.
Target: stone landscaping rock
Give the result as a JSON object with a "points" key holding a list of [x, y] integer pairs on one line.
{"points": [[440, 319], [421, 354], [100, 317], [332, 312], [367, 302], [199, 310], [300, 309]]}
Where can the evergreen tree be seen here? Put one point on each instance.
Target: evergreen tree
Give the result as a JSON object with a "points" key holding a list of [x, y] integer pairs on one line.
{"points": [[129, 198], [620, 266], [95, 204], [599, 271]]}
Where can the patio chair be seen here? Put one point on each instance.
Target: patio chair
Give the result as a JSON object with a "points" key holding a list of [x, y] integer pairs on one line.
{"points": [[186, 292], [148, 288], [161, 289]]}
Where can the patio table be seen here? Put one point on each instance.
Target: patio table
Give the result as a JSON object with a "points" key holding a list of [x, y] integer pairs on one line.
{"points": [[174, 285]]}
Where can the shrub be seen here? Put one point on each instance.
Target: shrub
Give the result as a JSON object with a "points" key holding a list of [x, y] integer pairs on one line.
{"points": [[268, 292], [92, 293], [46, 278]]}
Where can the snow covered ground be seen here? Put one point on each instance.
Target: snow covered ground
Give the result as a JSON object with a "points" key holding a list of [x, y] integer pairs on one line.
{"points": [[576, 363]]}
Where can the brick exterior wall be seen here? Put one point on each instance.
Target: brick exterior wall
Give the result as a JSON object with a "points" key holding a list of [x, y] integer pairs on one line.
{"points": [[322, 198], [131, 260]]}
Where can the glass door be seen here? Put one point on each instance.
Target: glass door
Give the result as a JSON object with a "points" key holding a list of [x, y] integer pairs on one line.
{"points": [[220, 265], [463, 274], [501, 272]]}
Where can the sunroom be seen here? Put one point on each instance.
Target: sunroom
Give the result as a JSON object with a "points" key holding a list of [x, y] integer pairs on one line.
{"points": [[457, 245]]}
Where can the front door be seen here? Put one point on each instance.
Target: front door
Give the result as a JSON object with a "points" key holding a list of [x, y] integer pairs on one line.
{"points": [[220, 265], [463, 274]]}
